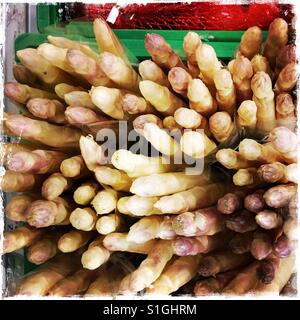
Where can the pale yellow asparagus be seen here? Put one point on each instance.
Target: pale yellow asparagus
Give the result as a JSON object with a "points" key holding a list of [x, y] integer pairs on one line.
{"points": [[247, 114], [105, 201], [152, 227], [91, 152], [134, 104], [43, 69], [81, 116], [19, 182], [85, 193], [225, 96], [163, 184], [121, 73], [22, 93], [232, 159], [191, 42], [196, 144], [291, 173], [188, 118], [253, 150], [161, 140], [139, 206], [261, 63], [251, 42], [109, 223], [161, 52], [115, 178], [55, 185], [73, 240], [179, 79], [122, 206], [149, 270], [200, 98], [63, 88], [56, 56], [208, 62], [44, 213], [40, 282], [118, 242], [83, 219], [149, 70], [50, 110], [42, 131], [245, 177], [284, 141], [160, 97], [221, 126], [175, 275], [96, 254], [73, 167], [136, 165], [107, 40], [150, 126], [263, 96], [36, 162], [16, 208], [79, 98], [192, 199], [19, 238], [62, 42], [108, 100], [88, 68]]}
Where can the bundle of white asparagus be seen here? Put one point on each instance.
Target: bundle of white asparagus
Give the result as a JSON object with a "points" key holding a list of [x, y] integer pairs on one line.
{"points": [[80, 203]]}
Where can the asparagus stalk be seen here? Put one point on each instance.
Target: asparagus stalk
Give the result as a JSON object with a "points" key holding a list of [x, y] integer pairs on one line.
{"points": [[42, 132], [44, 213], [19, 238]]}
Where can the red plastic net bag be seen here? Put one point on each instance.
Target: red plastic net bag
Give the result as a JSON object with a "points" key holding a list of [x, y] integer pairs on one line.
{"points": [[189, 16]]}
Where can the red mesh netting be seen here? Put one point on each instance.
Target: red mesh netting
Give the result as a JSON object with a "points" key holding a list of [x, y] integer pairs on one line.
{"points": [[195, 15]]}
